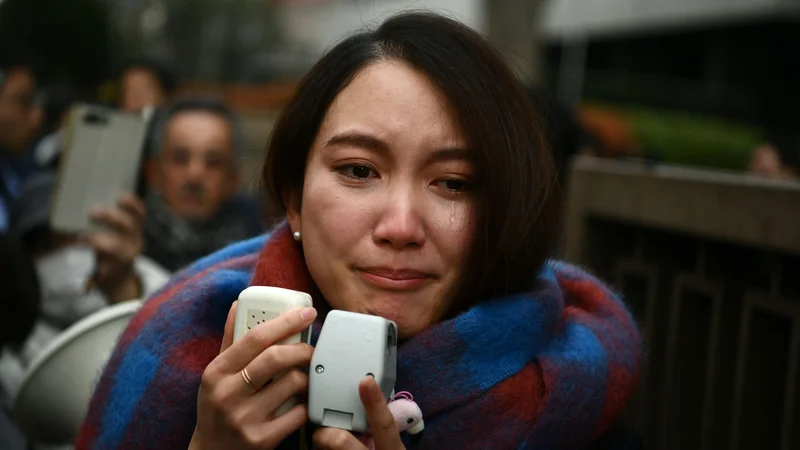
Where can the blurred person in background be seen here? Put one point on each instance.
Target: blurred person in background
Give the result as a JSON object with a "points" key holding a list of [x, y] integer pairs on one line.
{"points": [[77, 275], [58, 98], [19, 120], [143, 83], [778, 157], [19, 308], [81, 274], [195, 205], [57, 102]]}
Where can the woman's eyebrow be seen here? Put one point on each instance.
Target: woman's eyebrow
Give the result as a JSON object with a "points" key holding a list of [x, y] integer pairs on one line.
{"points": [[369, 142], [449, 154], [357, 139]]}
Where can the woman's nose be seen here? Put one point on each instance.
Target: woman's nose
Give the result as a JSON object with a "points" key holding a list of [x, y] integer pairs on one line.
{"points": [[400, 224]]}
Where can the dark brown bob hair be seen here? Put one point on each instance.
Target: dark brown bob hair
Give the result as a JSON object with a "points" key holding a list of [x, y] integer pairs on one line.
{"points": [[516, 188]]}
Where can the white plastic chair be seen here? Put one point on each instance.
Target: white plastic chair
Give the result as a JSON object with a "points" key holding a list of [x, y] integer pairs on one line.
{"points": [[57, 387]]}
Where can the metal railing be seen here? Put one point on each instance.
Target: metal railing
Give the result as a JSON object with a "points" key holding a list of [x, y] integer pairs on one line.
{"points": [[707, 262]]}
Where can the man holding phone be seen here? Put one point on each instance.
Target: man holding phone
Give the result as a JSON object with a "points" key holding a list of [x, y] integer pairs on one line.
{"points": [[80, 274], [77, 274]]}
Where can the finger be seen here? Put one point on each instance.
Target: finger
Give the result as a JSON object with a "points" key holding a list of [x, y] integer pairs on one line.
{"points": [[110, 258], [381, 422], [117, 220], [101, 276], [276, 359], [105, 245], [269, 399], [227, 335], [133, 206], [263, 336], [335, 439], [276, 431]]}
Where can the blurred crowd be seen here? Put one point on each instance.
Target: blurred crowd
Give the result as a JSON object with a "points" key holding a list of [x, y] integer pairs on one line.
{"points": [[189, 202]]}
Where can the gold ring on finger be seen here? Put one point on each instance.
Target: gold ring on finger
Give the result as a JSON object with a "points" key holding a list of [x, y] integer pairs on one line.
{"points": [[247, 379]]}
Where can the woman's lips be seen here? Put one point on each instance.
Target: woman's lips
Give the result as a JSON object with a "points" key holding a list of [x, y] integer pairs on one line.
{"points": [[384, 278]]}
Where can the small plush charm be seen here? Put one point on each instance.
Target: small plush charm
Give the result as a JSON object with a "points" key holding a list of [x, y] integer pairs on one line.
{"points": [[407, 417]]}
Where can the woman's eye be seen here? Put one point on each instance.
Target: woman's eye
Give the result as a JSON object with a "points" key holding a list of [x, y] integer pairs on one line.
{"points": [[454, 185], [357, 171]]}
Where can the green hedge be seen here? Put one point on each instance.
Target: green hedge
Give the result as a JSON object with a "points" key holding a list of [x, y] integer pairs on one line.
{"points": [[691, 139]]}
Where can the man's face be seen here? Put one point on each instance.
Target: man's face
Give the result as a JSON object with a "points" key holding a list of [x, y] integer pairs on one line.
{"points": [[140, 88], [18, 117], [196, 171]]}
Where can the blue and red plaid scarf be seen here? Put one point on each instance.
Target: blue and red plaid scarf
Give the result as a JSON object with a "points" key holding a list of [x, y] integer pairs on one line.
{"points": [[547, 369]]}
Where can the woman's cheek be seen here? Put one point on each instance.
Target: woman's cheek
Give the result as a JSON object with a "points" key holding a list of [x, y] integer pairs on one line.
{"points": [[335, 211], [456, 223], [466, 227]]}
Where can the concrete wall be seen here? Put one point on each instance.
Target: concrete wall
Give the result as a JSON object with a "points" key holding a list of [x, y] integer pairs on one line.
{"points": [[571, 18], [714, 204], [318, 25]]}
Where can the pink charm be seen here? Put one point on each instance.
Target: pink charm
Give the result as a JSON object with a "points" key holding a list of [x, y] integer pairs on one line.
{"points": [[407, 417]]}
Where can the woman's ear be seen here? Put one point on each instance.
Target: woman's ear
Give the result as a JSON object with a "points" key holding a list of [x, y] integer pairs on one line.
{"points": [[292, 201]]}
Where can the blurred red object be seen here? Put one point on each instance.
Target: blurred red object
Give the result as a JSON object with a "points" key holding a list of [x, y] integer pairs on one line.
{"points": [[611, 130], [245, 98]]}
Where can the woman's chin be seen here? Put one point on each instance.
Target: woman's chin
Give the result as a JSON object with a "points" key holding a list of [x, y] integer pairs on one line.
{"points": [[406, 311], [408, 324]]}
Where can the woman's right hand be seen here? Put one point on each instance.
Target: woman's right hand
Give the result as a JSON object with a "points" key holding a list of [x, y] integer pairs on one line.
{"points": [[230, 413]]}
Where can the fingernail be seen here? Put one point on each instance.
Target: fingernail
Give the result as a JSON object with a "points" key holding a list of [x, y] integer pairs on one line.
{"points": [[308, 314], [372, 385]]}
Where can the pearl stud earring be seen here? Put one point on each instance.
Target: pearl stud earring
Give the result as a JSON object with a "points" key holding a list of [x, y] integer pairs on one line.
{"points": [[296, 236]]}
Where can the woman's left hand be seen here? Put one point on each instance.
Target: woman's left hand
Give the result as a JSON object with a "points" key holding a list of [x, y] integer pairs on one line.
{"points": [[381, 424]]}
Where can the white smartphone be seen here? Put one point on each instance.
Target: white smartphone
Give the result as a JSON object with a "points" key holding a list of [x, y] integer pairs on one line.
{"points": [[100, 159], [259, 304]]}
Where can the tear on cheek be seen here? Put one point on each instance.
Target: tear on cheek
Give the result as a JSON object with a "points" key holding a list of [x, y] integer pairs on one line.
{"points": [[451, 216], [460, 219]]}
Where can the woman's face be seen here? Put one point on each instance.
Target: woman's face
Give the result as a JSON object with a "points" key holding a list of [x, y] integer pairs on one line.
{"points": [[386, 211]]}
